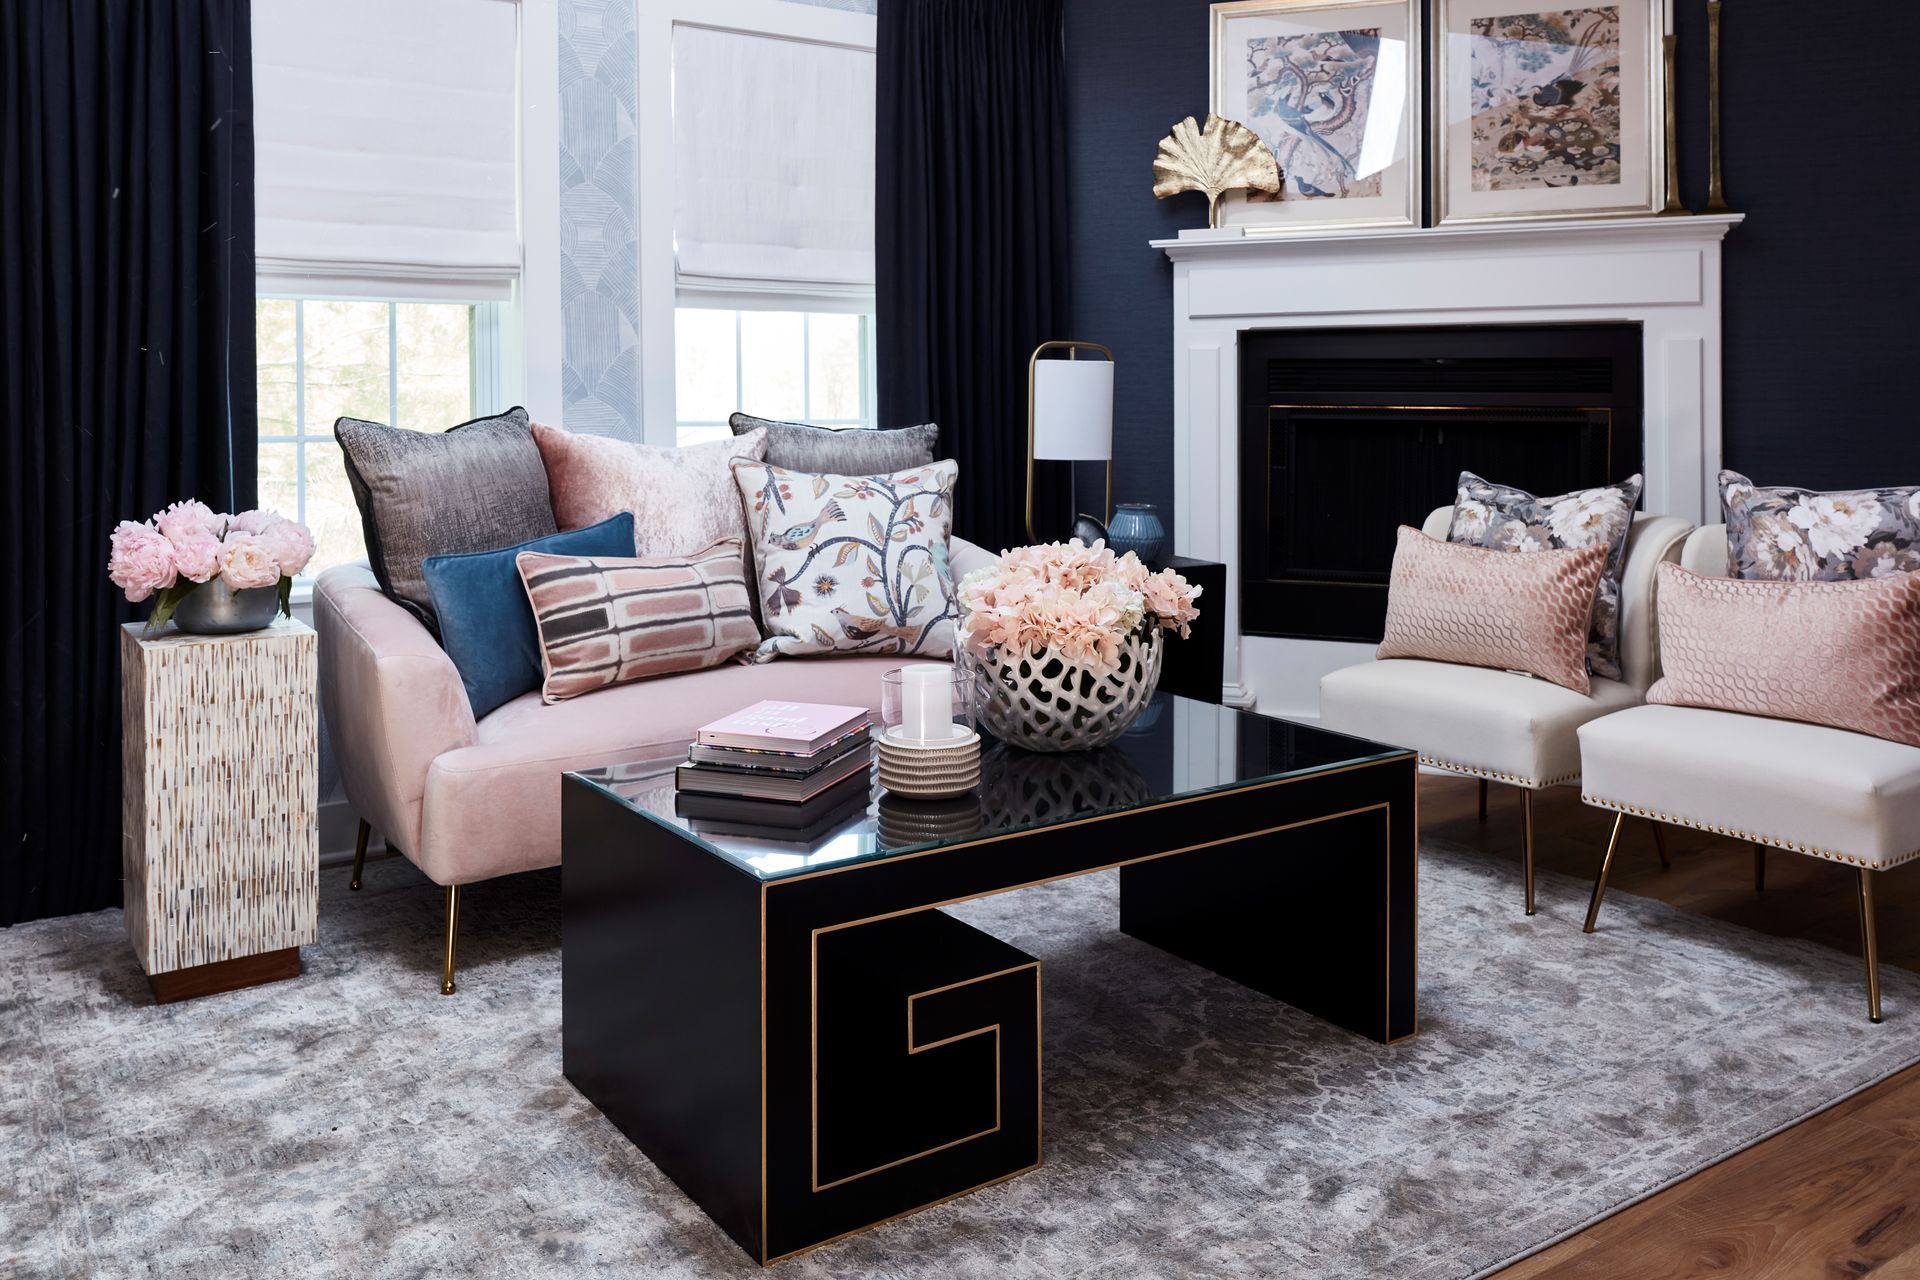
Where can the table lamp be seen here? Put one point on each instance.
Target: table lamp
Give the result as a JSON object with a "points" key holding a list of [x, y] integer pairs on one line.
{"points": [[1069, 413]]}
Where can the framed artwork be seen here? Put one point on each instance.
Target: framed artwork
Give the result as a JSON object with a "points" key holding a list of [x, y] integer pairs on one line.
{"points": [[1333, 87], [1549, 112]]}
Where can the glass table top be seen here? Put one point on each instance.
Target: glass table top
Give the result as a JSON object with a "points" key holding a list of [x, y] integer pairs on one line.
{"points": [[1177, 748]]}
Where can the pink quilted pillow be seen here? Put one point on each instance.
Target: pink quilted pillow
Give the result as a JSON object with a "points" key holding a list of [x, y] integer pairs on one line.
{"points": [[1845, 654], [1449, 602]]}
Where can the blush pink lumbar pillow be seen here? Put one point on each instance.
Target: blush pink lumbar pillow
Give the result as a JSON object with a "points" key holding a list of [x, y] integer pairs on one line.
{"points": [[1845, 654], [682, 500], [1448, 602], [606, 620]]}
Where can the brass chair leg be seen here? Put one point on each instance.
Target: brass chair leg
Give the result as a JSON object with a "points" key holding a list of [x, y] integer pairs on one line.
{"points": [[1526, 818], [453, 933], [1483, 799], [1606, 865], [1870, 943], [359, 853], [1759, 868], [1660, 844]]}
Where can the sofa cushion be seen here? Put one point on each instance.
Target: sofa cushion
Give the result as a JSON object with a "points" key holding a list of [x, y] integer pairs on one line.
{"points": [[798, 446], [485, 624], [1783, 533], [1509, 519], [605, 620], [1471, 719], [474, 487], [1816, 790], [493, 807]]}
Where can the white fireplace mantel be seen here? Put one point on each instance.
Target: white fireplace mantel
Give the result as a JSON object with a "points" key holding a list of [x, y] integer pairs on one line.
{"points": [[1660, 273]]}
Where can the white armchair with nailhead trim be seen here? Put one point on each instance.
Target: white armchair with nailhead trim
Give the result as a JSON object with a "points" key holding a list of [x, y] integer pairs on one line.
{"points": [[1495, 725]]}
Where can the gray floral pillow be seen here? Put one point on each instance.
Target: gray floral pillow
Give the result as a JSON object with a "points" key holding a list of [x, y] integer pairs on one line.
{"points": [[1797, 535], [1508, 519]]}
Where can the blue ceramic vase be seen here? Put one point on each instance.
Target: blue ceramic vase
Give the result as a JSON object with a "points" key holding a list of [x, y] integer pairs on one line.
{"points": [[1136, 527]]}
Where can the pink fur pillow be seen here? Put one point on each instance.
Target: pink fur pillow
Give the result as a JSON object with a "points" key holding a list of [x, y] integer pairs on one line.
{"points": [[1845, 654], [682, 500], [1449, 602]]}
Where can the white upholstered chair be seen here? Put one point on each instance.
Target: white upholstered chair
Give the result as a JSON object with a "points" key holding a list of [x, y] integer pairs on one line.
{"points": [[1495, 725], [1777, 784]]}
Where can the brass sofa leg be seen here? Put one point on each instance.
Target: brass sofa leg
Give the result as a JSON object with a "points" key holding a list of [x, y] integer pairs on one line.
{"points": [[359, 853], [1606, 865], [1526, 818], [1759, 868], [1870, 943], [1660, 844], [453, 933], [1483, 799]]}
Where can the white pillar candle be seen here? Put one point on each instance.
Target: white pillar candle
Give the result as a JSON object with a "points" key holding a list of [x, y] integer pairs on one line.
{"points": [[926, 702]]}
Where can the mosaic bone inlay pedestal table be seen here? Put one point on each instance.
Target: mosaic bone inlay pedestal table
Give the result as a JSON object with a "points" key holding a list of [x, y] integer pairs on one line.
{"points": [[219, 833]]}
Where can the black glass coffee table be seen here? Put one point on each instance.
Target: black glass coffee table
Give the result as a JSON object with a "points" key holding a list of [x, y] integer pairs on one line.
{"points": [[795, 1033]]}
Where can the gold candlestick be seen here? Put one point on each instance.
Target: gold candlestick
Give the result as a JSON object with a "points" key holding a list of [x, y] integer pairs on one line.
{"points": [[1674, 207], [1716, 194]]}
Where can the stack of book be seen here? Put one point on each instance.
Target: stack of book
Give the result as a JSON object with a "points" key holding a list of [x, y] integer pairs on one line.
{"points": [[781, 767]]}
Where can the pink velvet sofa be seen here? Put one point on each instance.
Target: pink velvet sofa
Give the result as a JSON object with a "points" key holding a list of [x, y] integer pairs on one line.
{"points": [[466, 799]]}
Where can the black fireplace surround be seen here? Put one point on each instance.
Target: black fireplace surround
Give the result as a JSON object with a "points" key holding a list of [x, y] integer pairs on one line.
{"points": [[1347, 434]]}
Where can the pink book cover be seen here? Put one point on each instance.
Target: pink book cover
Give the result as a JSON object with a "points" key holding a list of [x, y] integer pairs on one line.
{"points": [[781, 726]]}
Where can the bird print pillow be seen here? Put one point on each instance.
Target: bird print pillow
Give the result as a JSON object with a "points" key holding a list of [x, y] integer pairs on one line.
{"points": [[851, 564]]}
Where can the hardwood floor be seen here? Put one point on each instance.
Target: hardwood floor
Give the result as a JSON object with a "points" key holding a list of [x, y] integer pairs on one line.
{"points": [[1836, 1195]]}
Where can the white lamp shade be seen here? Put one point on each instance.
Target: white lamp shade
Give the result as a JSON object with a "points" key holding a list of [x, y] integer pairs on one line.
{"points": [[1073, 410]]}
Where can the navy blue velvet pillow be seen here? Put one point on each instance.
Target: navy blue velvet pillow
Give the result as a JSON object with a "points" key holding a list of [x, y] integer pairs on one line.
{"points": [[486, 624]]}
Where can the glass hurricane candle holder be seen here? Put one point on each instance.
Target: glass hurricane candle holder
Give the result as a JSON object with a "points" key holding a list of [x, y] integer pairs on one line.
{"points": [[927, 745]]}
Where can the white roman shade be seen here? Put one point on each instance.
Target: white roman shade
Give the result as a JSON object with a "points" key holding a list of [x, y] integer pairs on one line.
{"points": [[773, 164], [385, 145]]}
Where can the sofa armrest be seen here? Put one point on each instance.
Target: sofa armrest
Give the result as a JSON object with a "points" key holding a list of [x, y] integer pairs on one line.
{"points": [[392, 699], [964, 557], [1653, 540]]}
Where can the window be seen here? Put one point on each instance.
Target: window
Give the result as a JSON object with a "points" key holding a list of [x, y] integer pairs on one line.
{"points": [[806, 366], [412, 364]]}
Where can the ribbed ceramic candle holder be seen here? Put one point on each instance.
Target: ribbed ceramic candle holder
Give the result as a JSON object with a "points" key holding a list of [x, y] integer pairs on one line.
{"points": [[929, 770]]}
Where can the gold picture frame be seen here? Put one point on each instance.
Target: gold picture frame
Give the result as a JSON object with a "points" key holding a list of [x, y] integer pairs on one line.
{"points": [[1345, 131], [1560, 112]]}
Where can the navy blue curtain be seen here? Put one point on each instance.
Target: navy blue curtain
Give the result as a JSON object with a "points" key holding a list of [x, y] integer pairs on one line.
{"points": [[970, 236], [126, 379]]}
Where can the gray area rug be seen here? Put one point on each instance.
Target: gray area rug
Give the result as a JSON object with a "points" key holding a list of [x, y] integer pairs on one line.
{"points": [[354, 1123]]}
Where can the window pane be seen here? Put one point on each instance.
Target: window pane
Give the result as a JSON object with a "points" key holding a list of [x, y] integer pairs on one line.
{"points": [[273, 337], [703, 353], [279, 485], [772, 365], [331, 515], [346, 363], [701, 435], [434, 341], [833, 367]]}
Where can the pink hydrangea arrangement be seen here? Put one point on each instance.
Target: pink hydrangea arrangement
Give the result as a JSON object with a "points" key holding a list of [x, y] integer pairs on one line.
{"points": [[1080, 603], [189, 544]]}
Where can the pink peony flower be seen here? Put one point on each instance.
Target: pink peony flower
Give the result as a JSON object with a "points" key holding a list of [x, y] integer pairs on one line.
{"points": [[255, 521], [247, 563], [183, 518], [198, 556], [141, 561], [289, 543]]}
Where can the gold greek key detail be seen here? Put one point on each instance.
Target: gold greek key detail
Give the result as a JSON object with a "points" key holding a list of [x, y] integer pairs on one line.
{"points": [[1772, 842]]}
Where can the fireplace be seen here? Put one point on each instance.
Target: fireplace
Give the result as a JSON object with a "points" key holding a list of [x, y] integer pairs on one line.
{"points": [[1346, 434]]}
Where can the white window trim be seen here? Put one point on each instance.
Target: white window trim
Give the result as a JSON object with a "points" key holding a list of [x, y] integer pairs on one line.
{"points": [[869, 386], [659, 295]]}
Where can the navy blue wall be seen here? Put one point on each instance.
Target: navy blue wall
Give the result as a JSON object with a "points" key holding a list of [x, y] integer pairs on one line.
{"points": [[1820, 282]]}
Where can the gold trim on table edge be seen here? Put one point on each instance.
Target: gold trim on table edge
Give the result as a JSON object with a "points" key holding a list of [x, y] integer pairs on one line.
{"points": [[1772, 842]]}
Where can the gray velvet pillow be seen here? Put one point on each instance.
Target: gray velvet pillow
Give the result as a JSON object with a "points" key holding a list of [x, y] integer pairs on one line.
{"points": [[795, 446], [475, 487]]}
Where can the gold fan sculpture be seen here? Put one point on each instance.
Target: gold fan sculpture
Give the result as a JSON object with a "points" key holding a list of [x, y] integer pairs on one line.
{"points": [[1225, 156]]}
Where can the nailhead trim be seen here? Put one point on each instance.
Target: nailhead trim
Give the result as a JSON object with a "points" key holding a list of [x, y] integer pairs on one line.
{"points": [[1772, 842], [1495, 774]]}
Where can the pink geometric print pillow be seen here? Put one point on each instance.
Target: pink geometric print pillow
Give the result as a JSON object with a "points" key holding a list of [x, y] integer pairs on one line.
{"points": [[1844, 654], [606, 620], [1448, 602]]}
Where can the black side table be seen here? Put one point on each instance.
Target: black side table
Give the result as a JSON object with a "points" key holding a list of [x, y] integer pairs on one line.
{"points": [[1196, 667]]}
